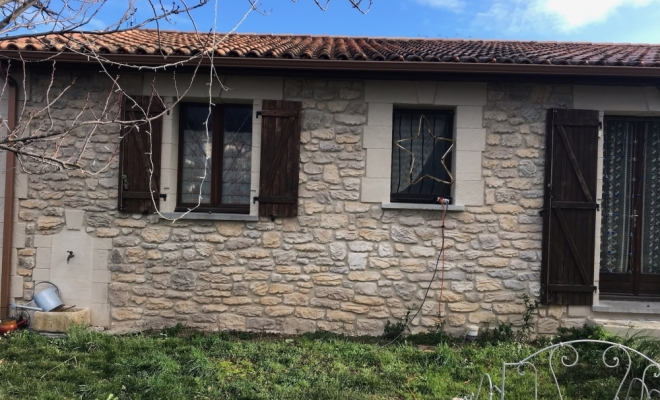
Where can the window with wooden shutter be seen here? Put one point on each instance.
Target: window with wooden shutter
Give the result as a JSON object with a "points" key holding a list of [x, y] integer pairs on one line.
{"points": [[280, 158], [569, 217], [215, 158], [139, 153]]}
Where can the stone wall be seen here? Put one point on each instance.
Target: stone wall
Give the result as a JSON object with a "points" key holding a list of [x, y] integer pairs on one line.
{"points": [[343, 265]]}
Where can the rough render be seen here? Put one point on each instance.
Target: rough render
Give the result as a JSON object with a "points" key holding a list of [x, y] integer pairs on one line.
{"points": [[343, 265]]}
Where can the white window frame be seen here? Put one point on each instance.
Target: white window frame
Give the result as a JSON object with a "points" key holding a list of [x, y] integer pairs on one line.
{"points": [[466, 98]]}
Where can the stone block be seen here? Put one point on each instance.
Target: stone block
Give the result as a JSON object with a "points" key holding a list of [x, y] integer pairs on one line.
{"points": [[16, 287], [19, 235], [379, 163], [60, 321], [100, 315], [380, 114], [375, 190], [231, 322], [74, 219], [468, 166], [100, 259], [40, 274], [100, 276], [461, 94], [102, 244], [251, 87], [620, 98], [43, 257], [99, 293], [42, 241], [469, 117], [469, 193], [548, 325], [470, 139], [296, 326], [401, 92], [21, 186], [579, 311], [425, 91], [377, 137]]}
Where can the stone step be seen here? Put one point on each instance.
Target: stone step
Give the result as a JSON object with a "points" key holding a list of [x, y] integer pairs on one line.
{"points": [[627, 327]]}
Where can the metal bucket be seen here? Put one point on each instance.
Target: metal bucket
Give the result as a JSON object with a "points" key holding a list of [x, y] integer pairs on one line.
{"points": [[48, 299]]}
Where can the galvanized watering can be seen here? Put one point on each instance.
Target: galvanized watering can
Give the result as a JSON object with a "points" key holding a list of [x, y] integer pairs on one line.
{"points": [[46, 300]]}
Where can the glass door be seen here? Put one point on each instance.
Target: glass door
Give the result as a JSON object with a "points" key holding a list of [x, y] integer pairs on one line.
{"points": [[630, 233]]}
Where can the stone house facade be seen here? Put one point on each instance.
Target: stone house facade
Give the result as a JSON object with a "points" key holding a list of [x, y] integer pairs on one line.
{"points": [[351, 259]]}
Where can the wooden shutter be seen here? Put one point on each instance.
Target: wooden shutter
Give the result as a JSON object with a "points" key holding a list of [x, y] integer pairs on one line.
{"points": [[569, 219], [134, 161], [280, 158]]}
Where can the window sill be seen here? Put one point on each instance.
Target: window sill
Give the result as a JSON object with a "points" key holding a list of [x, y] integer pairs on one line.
{"points": [[627, 307], [423, 207], [210, 216]]}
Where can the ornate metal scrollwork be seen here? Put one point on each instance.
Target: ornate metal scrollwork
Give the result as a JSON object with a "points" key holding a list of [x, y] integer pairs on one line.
{"points": [[612, 357]]}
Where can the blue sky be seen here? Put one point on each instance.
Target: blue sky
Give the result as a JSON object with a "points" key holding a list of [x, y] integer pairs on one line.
{"points": [[635, 21]]}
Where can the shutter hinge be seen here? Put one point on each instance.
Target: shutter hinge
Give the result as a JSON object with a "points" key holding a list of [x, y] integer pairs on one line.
{"points": [[258, 114], [255, 199], [597, 206], [124, 181], [163, 196]]}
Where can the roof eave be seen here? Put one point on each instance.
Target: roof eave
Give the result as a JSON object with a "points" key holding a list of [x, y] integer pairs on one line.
{"points": [[344, 65]]}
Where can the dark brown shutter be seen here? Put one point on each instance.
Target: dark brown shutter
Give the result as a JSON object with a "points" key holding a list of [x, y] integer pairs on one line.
{"points": [[280, 158], [569, 218], [134, 161]]}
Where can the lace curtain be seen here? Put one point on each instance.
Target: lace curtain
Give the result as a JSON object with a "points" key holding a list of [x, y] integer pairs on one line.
{"points": [[620, 156], [651, 214]]}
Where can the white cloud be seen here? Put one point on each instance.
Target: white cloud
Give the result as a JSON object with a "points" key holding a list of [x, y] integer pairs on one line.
{"points": [[454, 5], [562, 15], [574, 14]]}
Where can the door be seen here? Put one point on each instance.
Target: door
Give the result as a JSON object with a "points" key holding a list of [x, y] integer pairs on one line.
{"points": [[630, 234], [569, 216]]}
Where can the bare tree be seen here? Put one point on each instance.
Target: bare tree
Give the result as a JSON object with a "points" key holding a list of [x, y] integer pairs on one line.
{"points": [[43, 143]]}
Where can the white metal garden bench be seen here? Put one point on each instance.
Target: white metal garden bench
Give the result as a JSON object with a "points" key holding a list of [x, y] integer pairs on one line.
{"points": [[615, 355]]}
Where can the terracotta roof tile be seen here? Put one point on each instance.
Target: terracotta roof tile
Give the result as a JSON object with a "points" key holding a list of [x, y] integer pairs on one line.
{"points": [[150, 42]]}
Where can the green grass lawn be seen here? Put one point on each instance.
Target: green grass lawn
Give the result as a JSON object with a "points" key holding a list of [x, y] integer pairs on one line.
{"points": [[176, 364]]}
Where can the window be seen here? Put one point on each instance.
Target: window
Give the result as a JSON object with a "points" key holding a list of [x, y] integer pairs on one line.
{"points": [[421, 138], [215, 165], [630, 235]]}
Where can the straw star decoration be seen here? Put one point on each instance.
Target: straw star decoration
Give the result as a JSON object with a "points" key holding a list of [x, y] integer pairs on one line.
{"points": [[422, 121]]}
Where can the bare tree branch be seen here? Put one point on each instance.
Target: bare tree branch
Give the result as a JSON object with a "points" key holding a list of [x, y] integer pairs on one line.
{"points": [[44, 141]]}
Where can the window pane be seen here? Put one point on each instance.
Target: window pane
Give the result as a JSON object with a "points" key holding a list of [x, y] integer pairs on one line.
{"points": [[197, 145], [237, 155], [617, 176], [651, 209], [417, 152]]}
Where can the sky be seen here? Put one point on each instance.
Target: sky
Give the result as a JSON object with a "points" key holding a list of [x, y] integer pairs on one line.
{"points": [[621, 21]]}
